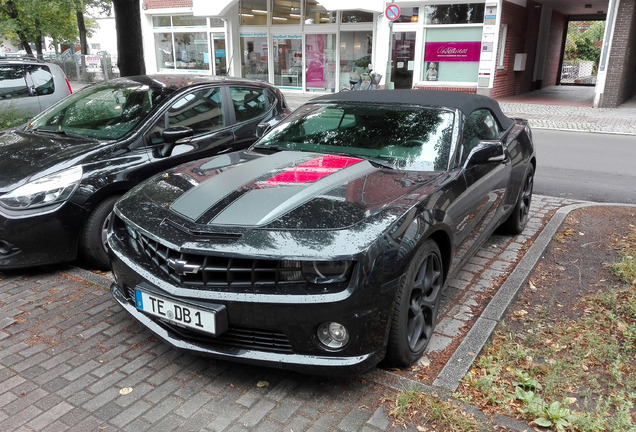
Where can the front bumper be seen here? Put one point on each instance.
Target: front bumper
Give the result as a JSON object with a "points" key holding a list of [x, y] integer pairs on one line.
{"points": [[272, 330], [314, 364], [40, 238]]}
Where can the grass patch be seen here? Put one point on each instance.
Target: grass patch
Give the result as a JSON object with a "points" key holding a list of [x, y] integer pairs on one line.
{"points": [[428, 412], [566, 374]]}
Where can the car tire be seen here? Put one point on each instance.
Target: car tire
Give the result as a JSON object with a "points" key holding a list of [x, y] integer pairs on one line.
{"points": [[416, 306], [518, 219], [93, 246]]}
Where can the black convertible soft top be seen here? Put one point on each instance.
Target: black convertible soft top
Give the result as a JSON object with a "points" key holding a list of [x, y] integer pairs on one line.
{"points": [[465, 102]]}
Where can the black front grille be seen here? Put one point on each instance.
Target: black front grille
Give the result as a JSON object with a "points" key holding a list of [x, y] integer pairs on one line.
{"points": [[217, 273]]}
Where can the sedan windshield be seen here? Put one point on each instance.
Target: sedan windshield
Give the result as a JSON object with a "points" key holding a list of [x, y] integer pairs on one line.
{"points": [[106, 111], [400, 136]]}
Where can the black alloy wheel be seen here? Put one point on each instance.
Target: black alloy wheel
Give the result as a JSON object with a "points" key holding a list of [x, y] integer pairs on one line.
{"points": [[416, 307], [518, 219]]}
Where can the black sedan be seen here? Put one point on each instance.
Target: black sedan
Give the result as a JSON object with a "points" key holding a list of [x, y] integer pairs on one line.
{"points": [[324, 247], [61, 174]]}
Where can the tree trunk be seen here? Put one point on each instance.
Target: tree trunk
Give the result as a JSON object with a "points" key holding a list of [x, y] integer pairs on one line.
{"points": [[130, 49], [81, 27]]}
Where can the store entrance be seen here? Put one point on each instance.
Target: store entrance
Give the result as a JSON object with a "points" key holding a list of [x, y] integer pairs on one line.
{"points": [[403, 59], [288, 61]]}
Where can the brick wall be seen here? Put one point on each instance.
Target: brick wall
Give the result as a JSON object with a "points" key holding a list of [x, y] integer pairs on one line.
{"points": [[523, 30], [454, 89], [621, 66], [164, 4]]}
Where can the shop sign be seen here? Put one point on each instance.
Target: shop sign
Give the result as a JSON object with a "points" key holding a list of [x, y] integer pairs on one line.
{"points": [[253, 34], [93, 63], [452, 51]]}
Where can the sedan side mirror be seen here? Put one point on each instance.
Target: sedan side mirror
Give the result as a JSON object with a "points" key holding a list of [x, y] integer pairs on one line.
{"points": [[173, 136], [486, 151], [262, 128]]}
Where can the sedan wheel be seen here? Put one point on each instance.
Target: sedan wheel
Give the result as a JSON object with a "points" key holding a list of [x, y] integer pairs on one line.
{"points": [[93, 242], [416, 307]]}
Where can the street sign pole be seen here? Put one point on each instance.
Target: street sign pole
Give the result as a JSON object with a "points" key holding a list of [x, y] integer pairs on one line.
{"points": [[387, 82], [392, 12]]}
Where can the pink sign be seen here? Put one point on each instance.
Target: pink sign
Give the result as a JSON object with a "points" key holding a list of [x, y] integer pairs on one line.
{"points": [[452, 51]]}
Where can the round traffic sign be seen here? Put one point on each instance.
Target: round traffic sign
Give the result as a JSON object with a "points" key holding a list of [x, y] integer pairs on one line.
{"points": [[392, 12]]}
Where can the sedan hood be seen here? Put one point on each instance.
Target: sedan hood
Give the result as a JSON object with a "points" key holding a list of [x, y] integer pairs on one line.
{"points": [[286, 190], [24, 154]]}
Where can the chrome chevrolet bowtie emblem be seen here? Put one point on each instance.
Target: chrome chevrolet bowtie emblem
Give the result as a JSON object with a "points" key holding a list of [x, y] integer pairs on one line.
{"points": [[182, 268]]}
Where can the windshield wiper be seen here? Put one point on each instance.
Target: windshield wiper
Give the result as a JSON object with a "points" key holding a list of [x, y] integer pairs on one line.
{"points": [[379, 162], [61, 132]]}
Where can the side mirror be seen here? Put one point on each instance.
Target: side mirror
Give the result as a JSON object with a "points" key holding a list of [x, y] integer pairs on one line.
{"points": [[486, 152], [173, 136], [262, 129]]}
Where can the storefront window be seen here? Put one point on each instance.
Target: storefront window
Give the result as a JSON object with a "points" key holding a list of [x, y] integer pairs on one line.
{"points": [[288, 60], [321, 62], [161, 21], [254, 55], [191, 51], [164, 51], [355, 54], [315, 13], [253, 12], [353, 16], [408, 14], [286, 13], [452, 55], [468, 13], [188, 21]]}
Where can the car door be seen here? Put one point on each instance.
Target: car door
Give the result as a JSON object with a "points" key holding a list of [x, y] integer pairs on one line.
{"points": [[202, 117], [475, 211]]}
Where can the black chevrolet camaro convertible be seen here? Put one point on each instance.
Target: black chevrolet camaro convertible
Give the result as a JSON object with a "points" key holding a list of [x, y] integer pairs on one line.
{"points": [[325, 246]]}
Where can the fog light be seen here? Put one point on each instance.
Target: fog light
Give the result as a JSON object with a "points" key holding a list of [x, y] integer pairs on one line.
{"points": [[333, 335]]}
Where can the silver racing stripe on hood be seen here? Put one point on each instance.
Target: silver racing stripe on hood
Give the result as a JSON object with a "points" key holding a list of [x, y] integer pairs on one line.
{"points": [[263, 205], [197, 201]]}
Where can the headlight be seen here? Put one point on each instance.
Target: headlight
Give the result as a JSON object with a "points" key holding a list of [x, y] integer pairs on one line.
{"points": [[326, 271], [47, 190]]}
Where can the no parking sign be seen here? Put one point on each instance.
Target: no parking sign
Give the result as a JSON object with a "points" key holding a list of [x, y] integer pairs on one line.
{"points": [[392, 12]]}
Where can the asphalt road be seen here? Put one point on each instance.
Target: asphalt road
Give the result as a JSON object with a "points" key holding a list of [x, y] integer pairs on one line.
{"points": [[586, 166]]}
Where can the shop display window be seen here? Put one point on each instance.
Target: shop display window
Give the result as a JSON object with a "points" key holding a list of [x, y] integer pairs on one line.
{"points": [[452, 55]]}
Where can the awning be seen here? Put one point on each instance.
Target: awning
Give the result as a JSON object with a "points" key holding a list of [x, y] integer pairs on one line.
{"points": [[211, 7], [220, 7], [366, 5]]}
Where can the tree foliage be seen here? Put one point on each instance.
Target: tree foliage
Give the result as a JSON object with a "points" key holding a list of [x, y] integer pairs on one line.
{"points": [[584, 40], [26, 22]]}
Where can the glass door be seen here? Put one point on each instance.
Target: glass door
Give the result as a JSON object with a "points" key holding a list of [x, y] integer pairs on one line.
{"points": [[288, 60], [403, 59], [320, 52], [220, 54]]}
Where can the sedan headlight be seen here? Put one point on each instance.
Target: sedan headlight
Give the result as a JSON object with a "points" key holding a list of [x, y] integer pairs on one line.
{"points": [[54, 188], [326, 271]]}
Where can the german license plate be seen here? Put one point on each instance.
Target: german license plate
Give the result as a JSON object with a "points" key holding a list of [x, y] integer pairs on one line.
{"points": [[178, 313]]}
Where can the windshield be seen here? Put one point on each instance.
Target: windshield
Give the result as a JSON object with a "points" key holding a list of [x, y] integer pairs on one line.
{"points": [[105, 111], [404, 137]]}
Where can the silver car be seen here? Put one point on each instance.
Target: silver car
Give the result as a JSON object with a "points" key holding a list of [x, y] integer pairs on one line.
{"points": [[29, 86]]}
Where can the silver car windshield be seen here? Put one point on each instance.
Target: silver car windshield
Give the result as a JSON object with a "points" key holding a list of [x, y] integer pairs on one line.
{"points": [[402, 137], [104, 111]]}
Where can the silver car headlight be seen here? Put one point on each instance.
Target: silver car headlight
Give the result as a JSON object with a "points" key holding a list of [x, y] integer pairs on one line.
{"points": [[54, 188]]}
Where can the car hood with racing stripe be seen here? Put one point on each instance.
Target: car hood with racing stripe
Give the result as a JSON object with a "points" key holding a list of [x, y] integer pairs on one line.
{"points": [[284, 190]]}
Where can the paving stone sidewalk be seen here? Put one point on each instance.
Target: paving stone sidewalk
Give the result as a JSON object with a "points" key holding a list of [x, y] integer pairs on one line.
{"points": [[71, 359]]}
